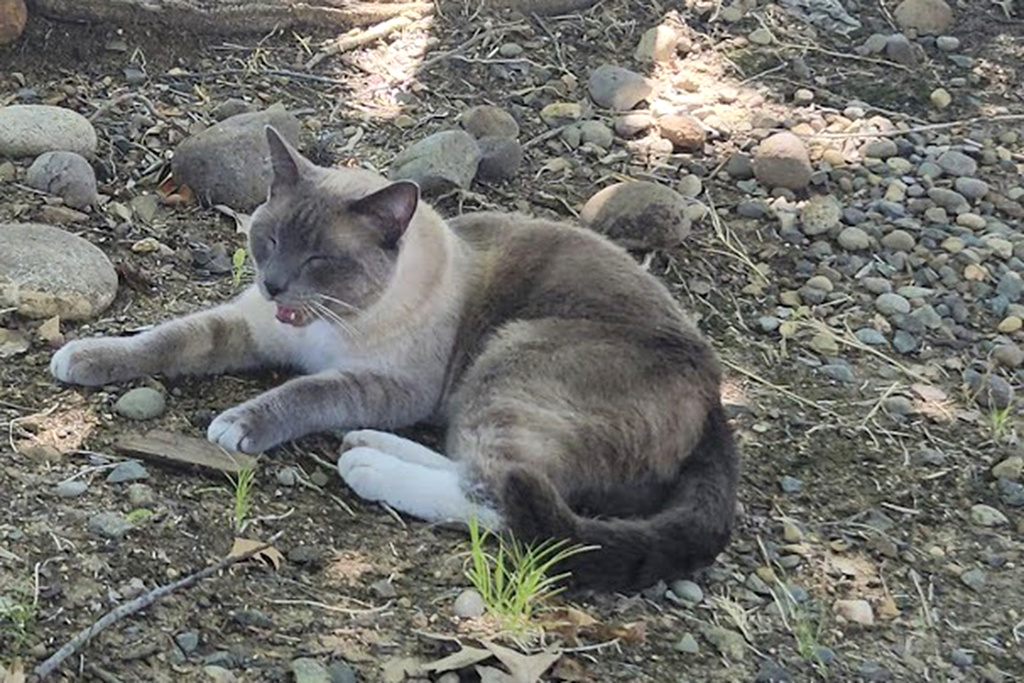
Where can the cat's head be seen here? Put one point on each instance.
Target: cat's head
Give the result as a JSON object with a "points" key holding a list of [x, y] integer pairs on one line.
{"points": [[326, 241]]}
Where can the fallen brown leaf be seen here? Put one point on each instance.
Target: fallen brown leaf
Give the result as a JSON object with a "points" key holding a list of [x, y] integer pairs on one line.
{"points": [[270, 555], [467, 656], [523, 668], [14, 674]]}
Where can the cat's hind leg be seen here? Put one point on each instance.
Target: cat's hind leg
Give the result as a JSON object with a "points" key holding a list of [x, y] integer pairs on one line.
{"points": [[392, 444], [431, 494]]}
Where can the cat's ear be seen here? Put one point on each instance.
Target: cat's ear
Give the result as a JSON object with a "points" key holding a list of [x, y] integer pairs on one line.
{"points": [[285, 161], [391, 208]]}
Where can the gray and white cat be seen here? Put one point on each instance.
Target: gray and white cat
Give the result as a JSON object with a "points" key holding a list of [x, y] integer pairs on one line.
{"points": [[580, 402]]}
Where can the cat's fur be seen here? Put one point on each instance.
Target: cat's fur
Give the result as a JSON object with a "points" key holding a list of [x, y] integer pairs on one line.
{"points": [[580, 402]]}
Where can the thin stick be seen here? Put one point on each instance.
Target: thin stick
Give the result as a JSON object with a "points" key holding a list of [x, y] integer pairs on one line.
{"points": [[121, 611], [333, 608], [916, 129], [351, 41], [782, 390], [845, 55]]}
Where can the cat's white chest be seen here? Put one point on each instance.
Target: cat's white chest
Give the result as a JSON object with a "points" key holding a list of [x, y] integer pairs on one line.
{"points": [[319, 346]]}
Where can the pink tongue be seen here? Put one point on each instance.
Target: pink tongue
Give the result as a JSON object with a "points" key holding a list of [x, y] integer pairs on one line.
{"points": [[287, 315]]}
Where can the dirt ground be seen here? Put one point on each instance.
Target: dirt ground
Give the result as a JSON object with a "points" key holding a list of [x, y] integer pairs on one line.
{"points": [[882, 507]]}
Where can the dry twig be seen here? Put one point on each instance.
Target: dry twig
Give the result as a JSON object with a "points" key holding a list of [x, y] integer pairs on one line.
{"points": [[145, 600]]}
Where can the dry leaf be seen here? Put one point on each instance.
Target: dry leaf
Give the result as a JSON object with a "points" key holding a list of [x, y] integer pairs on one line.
{"points": [[397, 669], [241, 219], [346, 648], [928, 393], [524, 668], [887, 608], [15, 674], [467, 656], [635, 632], [568, 622], [348, 566], [488, 674], [270, 555], [571, 670], [12, 343]]}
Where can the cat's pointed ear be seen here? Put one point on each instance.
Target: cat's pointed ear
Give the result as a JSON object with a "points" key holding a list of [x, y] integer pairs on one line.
{"points": [[391, 208], [285, 161]]}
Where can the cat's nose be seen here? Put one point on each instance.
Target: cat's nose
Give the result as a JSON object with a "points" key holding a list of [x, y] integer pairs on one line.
{"points": [[273, 288]]}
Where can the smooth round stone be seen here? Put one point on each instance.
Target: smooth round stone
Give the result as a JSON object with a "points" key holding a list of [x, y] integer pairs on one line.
{"points": [[596, 133], [940, 98], [687, 591], [782, 161], [638, 215], [899, 240], [892, 304], [227, 162], [28, 130], [972, 188], [971, 220], [511, 50], [870, 336], [899, 165], [141, 403], [440, 162], [613, 87], [631, 125], [820, 214], [45, 271], [1009, 355], [957, 163], [947, 43], [924, 16], [130, 470], [1010, 324], [820, 282], [689, 186], [854, 239], [986, 515], [469, 604], [65, 174], [486, 120], [71, 489], [882, 148]]}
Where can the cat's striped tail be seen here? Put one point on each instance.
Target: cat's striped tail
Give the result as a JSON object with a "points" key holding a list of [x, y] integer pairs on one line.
{"points": [[688, 533]]}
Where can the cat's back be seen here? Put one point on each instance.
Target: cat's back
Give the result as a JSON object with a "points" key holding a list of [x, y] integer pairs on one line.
{"points": [[528, 268]]}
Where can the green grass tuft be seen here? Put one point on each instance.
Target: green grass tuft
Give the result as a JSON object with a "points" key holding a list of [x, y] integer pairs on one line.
{"points": [[514, 580], [242, 498]]}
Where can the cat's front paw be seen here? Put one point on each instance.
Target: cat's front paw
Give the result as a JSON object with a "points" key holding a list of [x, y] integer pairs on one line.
{"points": [[93, 362], [245, 429]]}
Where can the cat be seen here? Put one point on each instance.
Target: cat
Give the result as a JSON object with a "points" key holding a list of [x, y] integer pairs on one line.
{"points": [[580, 403]]}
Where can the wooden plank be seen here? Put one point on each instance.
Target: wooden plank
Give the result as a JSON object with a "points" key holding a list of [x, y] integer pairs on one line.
{"points": [[177, 450]]}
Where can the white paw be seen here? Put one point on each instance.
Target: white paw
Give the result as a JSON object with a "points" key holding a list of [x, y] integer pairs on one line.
{"points": [[242, 429], [394, 445], [368, 472], [91, 362]]}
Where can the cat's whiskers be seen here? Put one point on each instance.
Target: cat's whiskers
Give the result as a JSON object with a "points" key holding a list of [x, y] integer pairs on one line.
{"points": [[322, 312], [345, 304]]}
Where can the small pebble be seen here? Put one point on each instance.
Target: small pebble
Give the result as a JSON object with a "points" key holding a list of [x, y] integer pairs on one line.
{"points": [[469, 604], [71, 489], [687, 591], [130, 470], [142, 403], [790, 484]]}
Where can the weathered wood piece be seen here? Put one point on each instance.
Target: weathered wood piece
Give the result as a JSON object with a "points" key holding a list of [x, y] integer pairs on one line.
{"points": [[177, 450]]}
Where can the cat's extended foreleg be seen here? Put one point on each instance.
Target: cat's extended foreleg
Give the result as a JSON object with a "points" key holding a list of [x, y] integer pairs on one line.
{"points": [[210, 342], [334, 399]]}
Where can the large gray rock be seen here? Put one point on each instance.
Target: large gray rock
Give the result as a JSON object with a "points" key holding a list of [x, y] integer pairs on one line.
{"points": [[486, 120], [65, 174], [45, 271], [613, 87], [27, 130], [439, 162], [924, 16], [782, 161], [228, 163], [638, 215]]}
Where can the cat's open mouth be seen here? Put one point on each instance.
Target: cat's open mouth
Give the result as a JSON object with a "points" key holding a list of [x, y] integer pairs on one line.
{"points": [[291, 315]]}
